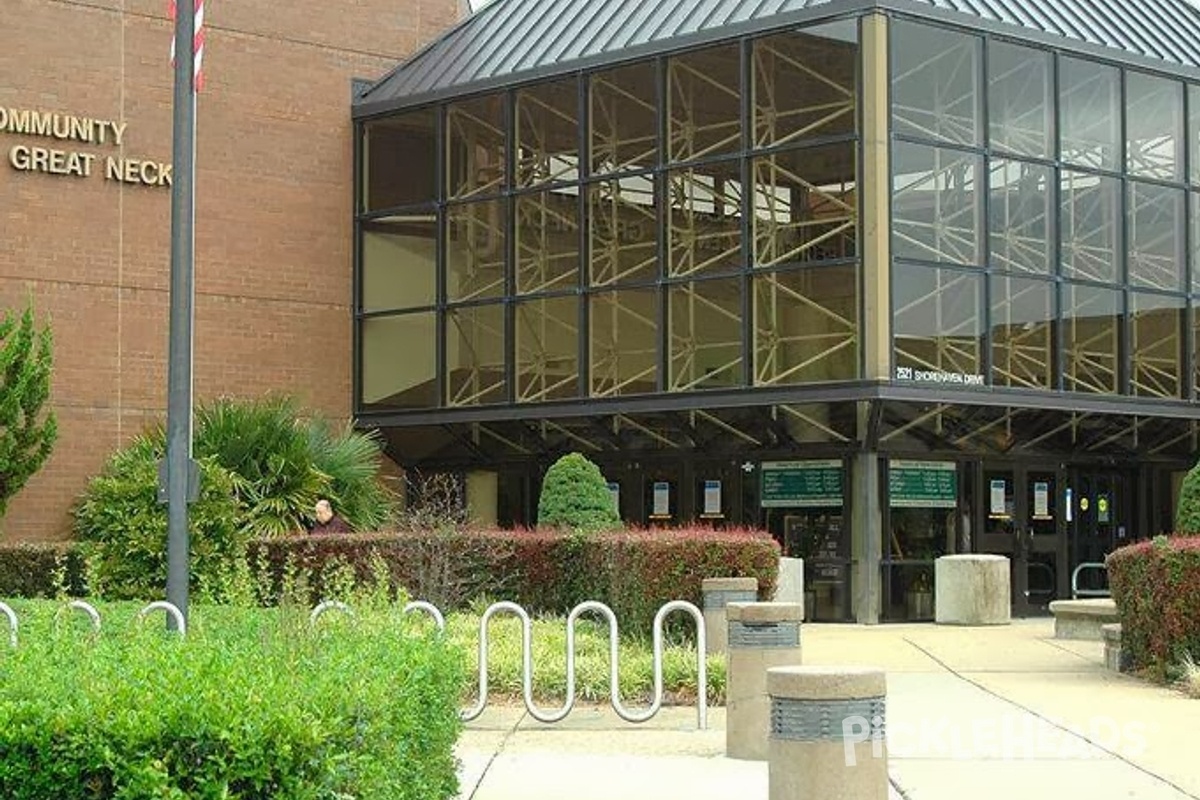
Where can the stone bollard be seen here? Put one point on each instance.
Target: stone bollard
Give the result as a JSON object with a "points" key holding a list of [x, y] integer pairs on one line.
{"points": [[761, 636], [827, 733], [718, 592], [790, 586], [972, 590]]}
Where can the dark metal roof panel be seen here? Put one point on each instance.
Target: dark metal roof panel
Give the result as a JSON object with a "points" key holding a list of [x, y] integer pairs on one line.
{"points": [[518, 39]]}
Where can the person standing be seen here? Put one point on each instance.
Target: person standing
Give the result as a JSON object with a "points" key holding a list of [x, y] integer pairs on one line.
{"points": [[327, 521]]}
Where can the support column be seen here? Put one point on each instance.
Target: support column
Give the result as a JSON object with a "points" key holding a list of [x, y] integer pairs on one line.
{"points": [[483, 497], [875, 202], [866, 537]]}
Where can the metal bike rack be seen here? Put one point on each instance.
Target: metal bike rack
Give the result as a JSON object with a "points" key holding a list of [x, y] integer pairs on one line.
{"points": [[614, 682], [171, 609], [7, 611], [428, 608], [326, 605], [87, 608], [1076, 592]]}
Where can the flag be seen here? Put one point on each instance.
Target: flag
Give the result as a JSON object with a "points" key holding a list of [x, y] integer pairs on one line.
{"points": [[197, 41]]}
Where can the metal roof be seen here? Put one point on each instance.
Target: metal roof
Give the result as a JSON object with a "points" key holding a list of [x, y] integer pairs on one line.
{"points": [[510, 41]]}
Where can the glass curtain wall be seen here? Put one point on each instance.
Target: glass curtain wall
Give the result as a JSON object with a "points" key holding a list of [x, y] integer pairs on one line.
{"points": [[699, 232], [1040, 222]]}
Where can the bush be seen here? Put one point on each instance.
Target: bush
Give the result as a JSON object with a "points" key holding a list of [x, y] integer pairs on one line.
{"points": [[1187, 514], [26, 436], [1156, 586], [41, 570], [123, 527], [576, 496], [633, 572], [251, 705]]}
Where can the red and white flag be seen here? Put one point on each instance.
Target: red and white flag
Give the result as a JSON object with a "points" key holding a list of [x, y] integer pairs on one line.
{"points": [[197, 41]]}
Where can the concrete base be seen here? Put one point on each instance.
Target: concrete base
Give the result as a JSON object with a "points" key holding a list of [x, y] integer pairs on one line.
{"points": [[1083, 619], [1114, 657], [716, 594], [747, 705], [789, 588], [972, 590], [798, 771]]}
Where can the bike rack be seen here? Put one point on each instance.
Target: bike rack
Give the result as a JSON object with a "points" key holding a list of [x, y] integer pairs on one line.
{"points": [[613, 651], [326, 605], [430, 609], [1076, 592], [7, 611], [171, 609], [83, 606]]}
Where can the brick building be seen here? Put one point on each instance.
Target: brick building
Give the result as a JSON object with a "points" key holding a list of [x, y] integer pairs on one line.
{"points": [[85, 232]]}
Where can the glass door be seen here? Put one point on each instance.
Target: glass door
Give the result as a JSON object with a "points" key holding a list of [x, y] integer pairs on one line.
{"points": [[1022, 511]]}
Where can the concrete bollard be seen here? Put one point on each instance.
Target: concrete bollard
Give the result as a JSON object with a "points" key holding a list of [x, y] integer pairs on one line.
{"points": [[717, 593], [972, 589], [761, 636], [827, 733], [790, 586]]}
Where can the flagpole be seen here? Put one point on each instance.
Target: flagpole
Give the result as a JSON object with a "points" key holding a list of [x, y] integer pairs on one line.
{"points": [[179, 467]]}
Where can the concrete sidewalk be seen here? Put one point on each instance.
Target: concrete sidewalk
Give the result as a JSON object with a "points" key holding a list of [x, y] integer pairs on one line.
{"points": [[984, 713]]}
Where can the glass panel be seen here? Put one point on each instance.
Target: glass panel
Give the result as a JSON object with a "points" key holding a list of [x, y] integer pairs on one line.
{"points": [[547, 242], [806, 326], [1022, 210], [1022, 320], [624, 342], [1156, 348], [624, 118], [704, 219], [399, 361], [623, 228], [1194, 200], [399, 262], [1090, 109], [1156, 236], [1091, 319], [548, 349], [706, 335], [475, 250], [1194, 131], [805, 206], [938, 323], [1154, 126], [1020, 99], [935, 83], [475, 355], [547, 130], [805, 84], [399, 157], [1196, 345], [1091, 213], [475, 147], [704, 103], [935, 204]]}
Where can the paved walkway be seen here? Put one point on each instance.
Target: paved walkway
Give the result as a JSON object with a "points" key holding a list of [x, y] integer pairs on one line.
{"points": [[986, 713]]}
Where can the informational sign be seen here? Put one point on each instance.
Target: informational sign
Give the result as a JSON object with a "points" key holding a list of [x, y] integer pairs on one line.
{"points": [[1070, 505], [923, 484], [712, 498], [999, 497], [662, 499], [802, 484], [1041, 500], [614, 489]]}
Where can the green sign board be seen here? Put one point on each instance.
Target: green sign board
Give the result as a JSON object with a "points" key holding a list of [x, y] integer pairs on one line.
{"points": [[802, 484], [923, 484]]}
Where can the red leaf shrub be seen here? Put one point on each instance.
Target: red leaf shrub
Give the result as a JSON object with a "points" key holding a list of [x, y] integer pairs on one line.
{"points": [[1156, 586], [633, 572]]}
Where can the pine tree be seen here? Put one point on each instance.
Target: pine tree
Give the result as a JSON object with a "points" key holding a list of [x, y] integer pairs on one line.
{"points": [[26, 361]]}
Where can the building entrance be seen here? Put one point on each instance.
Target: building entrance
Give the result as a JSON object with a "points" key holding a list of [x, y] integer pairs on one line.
{"points": [[1099, 514], [1024, 517]]}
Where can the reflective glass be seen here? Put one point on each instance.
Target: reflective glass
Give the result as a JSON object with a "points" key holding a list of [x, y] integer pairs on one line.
{"points": [[935, 83], [935, 204], [806, 326]]}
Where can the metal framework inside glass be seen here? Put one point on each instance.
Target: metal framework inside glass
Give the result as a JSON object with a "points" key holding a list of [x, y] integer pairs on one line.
{"points": [[676, 225]]}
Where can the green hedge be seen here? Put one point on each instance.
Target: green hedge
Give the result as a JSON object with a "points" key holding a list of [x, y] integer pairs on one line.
{"points": [[41, 570], [252, 704], [1156, 586], [634, 572]]}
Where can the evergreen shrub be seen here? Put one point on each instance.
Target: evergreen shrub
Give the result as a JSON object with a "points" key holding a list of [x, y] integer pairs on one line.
{"points": [[575, 496]]}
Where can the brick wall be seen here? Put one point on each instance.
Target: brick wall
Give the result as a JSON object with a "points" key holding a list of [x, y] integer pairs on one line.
{"points": [[273, 209]]}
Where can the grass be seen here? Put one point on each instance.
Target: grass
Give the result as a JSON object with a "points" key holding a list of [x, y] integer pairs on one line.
{"points": [[1190, 682]]}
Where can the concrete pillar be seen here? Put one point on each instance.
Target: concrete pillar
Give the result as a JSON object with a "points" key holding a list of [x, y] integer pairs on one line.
{"points": [[761, 636], [483, 497], [717, 593], [827, 733], [789, 588], [866, 542], [972, 590]]}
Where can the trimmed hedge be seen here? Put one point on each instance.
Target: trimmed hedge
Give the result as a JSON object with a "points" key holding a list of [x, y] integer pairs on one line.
{"points": [[634, 572], [1156, 586], [253, 704], [41, 570], [575, 496]]}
